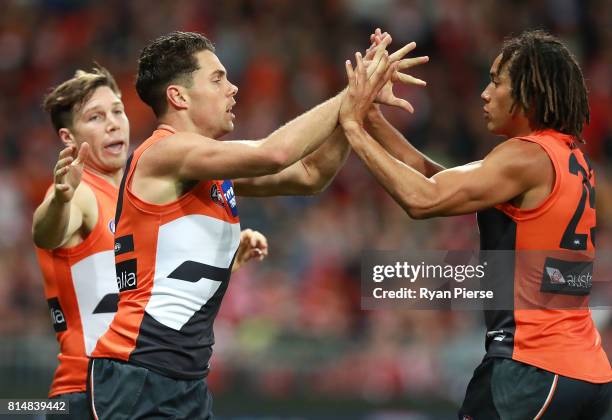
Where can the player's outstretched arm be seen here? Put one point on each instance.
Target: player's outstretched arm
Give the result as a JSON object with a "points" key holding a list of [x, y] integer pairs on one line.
{"points": [[510, 170], [253, 245], [397, 145], [313, 173], [194, 157], [310, 175], [61, 213]]}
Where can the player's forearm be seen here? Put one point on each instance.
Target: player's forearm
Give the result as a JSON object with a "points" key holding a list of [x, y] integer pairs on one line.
{"points": [[50, 223], [397, 145], [408, 187], [305, 133], [323, 164]]}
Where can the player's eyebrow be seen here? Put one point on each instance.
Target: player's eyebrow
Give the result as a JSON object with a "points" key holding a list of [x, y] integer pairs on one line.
{"points": [[98, 107], [218, 73]]}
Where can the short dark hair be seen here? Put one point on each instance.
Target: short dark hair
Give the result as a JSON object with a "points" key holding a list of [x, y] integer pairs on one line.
{"points": [[546, 82], [67, 98], [168, 59]]}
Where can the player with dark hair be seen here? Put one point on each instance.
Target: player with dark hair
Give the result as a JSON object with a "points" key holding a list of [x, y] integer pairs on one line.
{"points": [[532, 193], [177, 222], [73, 227]]}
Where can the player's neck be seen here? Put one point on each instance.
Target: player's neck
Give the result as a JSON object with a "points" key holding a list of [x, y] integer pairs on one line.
{"points": [[179, 121], [521, 127], [113, 178]]}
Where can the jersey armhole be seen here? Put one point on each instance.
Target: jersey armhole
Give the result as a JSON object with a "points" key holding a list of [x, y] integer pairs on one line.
{"points": [[93, 236], [152, 208]]}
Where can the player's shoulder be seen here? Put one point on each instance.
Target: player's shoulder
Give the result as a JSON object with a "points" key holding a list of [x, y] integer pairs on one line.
{"points": [[520, 159], [174, 145], [519, 152]]}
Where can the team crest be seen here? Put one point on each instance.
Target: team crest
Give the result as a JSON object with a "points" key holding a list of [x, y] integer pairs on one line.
{"points": [[215, 195]]}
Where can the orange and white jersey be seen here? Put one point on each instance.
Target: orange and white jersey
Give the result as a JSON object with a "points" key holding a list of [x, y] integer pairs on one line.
{"points": [[173, 264], [81, 290], [550, 241]]}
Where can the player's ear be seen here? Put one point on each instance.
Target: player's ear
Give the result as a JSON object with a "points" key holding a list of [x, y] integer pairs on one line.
{"points": [[66, 137], [177, 96]]}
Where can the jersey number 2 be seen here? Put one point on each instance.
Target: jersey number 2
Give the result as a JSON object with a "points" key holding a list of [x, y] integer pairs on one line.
{"points": [[571, 239]]}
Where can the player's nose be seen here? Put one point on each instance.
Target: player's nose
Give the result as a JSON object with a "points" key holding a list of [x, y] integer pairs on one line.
{"points": [[485, 96], [233, 89]]}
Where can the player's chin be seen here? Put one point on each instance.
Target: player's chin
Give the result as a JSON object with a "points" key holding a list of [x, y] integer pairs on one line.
{"points": [[115, 164], [227, 128], [492, 128]]}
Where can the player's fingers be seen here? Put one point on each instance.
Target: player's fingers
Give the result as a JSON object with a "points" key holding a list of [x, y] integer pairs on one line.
{"points": [[260, 239], [386, 76], [83, 152], [381, 69], [408, 79], [66, 151], [62, 163], [381, 48], [411, 62], [360, 71], [254, 239], [399, 54], [403, 104], [62, 187], [369, 55], [350, 74]]}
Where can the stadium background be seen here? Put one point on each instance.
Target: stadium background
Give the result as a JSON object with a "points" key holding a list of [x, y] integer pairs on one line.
{"points": [[291, 338]]}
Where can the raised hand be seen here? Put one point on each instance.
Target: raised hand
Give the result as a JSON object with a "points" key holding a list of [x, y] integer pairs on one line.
{"points": [[68, 171], [363, 86], [253, 244], [386, 95]]}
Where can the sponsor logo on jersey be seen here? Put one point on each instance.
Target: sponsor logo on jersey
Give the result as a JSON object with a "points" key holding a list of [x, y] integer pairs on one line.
{"points": [[215, 195], [126, 275], [111, 226], [230, 198], [567, 277], [57, 315], [555, 275], [124, 244]]}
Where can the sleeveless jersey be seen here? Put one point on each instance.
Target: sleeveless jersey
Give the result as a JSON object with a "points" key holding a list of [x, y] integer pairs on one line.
{"points": [[551, 266], [173, 264], [81, 291]]}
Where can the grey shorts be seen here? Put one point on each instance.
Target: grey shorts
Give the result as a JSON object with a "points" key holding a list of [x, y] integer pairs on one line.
{"points": [[119, 390]]}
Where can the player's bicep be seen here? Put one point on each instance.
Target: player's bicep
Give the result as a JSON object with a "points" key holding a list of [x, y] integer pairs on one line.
{"points": [[205, 158], [75, 224], [83, 214], [477, 186]]}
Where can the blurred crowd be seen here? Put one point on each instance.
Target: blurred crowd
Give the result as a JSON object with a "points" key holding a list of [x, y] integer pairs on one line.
{"points": [[292, 324]]}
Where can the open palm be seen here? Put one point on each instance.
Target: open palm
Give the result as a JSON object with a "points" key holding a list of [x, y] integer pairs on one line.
{"points": [[69, 171], [386, 95]]}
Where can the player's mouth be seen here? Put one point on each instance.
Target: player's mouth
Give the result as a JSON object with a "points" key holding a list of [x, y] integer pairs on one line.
{"points": [[229, 110], [115, 147]]}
